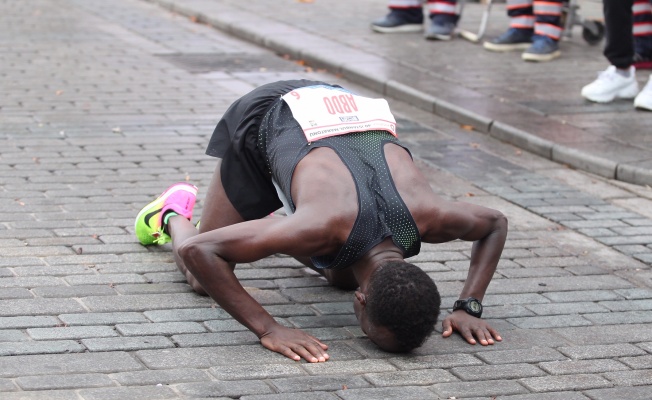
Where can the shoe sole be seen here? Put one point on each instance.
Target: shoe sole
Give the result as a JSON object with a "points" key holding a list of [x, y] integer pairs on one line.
{"points": [[627, 93], [647, 107], [409, 28], [506, 47], [540, 57], [433, 36]]}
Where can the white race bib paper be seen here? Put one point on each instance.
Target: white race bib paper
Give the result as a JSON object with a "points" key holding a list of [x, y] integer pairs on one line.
{"points": [[324, 111]]}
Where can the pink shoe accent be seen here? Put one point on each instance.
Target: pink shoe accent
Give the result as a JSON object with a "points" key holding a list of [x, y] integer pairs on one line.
{"points": [[180, 198]]}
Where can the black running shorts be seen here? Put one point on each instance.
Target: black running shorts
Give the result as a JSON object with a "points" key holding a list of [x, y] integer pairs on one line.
{"points": [[246, 180]]}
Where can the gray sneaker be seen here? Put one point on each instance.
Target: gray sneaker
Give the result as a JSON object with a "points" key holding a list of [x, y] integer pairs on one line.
{"points": [[542, 49], [399, 21], [440, 31], [513, 39]]}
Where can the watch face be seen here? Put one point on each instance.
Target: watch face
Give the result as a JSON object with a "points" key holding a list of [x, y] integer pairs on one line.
{"points": [[475, 306]]}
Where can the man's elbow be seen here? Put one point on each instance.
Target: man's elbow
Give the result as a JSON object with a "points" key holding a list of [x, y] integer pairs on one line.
{"points": [[499, 221], [192, 252]]}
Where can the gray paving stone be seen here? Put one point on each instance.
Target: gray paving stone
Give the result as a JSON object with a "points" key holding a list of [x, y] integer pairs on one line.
{"points": [[516, 298], [584, 295], [268, 371], [640, 362], [215, 339], [28, 322], [324, 321], [496, 372], [630, 378], [349, 367], [127, 343], [165, 377], [388, 393], [319, 383], [410, 378], [7, 385], [46, 347], [601, 351], [102, 318], [75, 291], [582, 366], [153, 288], [565, 382], [67, 364], [643, 304], [206, 357], [71, 332], [595, 335], [226, 325], [12, 335], [226, 389], [546, 396], [620, 393], [567, 308], [69, 381], [159, 328], [145, 302], [312, 395], [481, 388], [20, 307], [41, 395], [49, 270], [532, 355], [104, 279], [434, 361], [544, 284], [30, 281], [616, 318], [136, 392], [188, 314], [553, 321]]}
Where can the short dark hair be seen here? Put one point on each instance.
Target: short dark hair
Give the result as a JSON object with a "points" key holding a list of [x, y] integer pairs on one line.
{"points": [[404, 299]]}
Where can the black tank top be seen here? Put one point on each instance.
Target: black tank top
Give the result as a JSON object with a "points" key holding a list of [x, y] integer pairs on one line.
{"points": [[381, 211]]}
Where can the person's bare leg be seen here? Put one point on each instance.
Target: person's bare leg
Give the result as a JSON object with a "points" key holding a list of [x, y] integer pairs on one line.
{"points": [[217, 212]]}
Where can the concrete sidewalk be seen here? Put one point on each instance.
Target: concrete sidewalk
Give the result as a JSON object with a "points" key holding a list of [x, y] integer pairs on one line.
{"points": [[534, 106]]}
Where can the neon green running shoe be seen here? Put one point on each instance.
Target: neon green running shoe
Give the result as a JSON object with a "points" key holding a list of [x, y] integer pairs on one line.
{"points": [[179, 198]]}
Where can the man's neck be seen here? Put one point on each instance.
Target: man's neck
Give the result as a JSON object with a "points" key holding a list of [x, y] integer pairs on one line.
{"points": [[373, 259]]}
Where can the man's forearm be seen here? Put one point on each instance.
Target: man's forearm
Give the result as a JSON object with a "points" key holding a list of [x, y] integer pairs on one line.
{"points": [[217, 278], [485, 255]]}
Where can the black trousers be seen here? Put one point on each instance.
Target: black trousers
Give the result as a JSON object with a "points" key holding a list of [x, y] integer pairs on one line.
{"points": [[618, 18]]}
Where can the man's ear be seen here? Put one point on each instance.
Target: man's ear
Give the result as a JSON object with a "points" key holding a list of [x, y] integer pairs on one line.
{"points": [[361, 297]]}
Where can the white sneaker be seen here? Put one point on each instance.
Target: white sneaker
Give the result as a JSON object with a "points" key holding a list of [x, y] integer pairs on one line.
{"points": [[644, 99], [610, 85]]}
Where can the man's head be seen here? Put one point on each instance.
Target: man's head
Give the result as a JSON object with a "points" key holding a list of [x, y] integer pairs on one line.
{"points": [[399, 310]]}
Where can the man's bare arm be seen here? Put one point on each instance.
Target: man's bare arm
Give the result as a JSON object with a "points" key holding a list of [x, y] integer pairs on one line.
{"points": [[487, 228], [211, 258]]}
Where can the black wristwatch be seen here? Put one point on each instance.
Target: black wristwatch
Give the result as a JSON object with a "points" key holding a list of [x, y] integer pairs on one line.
{"points": [[472, 306]]}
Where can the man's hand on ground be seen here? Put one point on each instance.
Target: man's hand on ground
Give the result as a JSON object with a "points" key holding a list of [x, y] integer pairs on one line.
{"points": [[470, 328], [295, 344]]}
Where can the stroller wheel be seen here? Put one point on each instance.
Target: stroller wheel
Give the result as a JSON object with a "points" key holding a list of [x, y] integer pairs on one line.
{"points": [[593, 32]]}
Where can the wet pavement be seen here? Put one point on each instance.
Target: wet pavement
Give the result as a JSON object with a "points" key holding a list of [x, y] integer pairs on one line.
{"points": [[107, 103]]}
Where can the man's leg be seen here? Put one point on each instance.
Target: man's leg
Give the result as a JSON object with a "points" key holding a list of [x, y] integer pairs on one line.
{"points": [[619, 48], [217, 212]]}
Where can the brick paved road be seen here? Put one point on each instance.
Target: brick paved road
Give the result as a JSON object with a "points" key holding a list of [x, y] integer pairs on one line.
{"points": [[106, 103]]}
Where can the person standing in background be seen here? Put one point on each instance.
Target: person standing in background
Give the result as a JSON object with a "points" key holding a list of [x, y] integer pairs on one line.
{"points": [[407, 16], [625, 20], [535, 26]]}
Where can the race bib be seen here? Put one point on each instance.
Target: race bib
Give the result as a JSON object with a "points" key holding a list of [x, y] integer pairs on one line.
{"points": [[324, 111]]}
